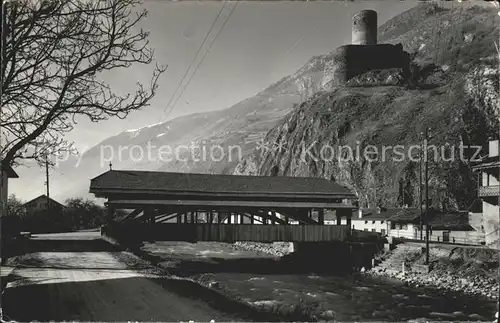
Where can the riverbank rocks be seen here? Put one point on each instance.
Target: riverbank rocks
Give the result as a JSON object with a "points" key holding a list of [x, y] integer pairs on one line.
{"points": [[419, 320], [463, 276], [278, 249], [328, 315]]}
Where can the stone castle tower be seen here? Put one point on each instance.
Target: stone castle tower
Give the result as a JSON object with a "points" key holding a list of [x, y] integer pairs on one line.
{"points": [[364, 54], [364, 28]]}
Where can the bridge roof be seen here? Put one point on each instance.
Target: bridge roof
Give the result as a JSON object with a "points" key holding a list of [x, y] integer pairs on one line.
{"points": [[147, 182]]}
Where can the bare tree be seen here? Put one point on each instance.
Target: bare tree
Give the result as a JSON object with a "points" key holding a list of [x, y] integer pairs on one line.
{"points": [[54, 54]]}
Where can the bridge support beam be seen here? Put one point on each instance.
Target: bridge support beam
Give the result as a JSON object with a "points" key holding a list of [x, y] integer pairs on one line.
{"points": [[110, 214], [149, 215], [321, 216], [345, 213]]}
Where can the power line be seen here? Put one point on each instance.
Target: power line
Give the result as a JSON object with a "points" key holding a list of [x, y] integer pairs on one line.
{"points": [[205, 55], [191, 64], [195, 55]]}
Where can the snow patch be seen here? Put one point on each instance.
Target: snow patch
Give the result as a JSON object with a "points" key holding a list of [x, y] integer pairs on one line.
{"points": [[265, 303], [206, 252], [148, 126]]}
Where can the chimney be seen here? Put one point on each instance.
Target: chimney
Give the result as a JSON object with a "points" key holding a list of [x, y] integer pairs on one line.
{"points": [[360, 213], [493, 148]]}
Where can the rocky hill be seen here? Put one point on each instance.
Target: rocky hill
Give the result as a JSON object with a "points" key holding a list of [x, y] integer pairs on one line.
{"points": [[456, 96]]}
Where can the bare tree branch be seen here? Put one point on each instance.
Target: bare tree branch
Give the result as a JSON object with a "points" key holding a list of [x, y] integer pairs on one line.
{"points": [[54, 54]]}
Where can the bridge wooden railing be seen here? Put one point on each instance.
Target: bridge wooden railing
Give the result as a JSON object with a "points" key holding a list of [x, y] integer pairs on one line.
{"points": [[226, 232]]}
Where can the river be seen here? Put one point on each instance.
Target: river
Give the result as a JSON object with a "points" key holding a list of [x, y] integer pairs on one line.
{"points": [[264, 281]]}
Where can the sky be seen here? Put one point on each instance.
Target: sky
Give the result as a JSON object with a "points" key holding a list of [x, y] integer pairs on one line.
{"points": [[260, 43]]}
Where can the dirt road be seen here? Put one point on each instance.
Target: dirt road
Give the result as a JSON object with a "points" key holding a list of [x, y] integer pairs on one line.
{"points": [[80, 277]]}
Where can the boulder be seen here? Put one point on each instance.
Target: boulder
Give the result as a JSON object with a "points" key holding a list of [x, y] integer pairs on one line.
{"points": [[328, 315]]}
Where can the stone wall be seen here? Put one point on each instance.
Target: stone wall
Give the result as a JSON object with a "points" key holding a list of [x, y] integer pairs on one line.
{"points": [[491, 222], [353, 60]]}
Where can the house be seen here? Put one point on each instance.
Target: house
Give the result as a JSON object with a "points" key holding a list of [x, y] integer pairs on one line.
{"points": [[374, 220], [6, 173], [405, 223], [455, 227], [489, 192], [42, 203], [444, 226], [370, 219]]}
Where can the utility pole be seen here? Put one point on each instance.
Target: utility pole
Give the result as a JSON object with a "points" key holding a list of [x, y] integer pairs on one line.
{"points": [[420, 189], [426, 176], [47, 180]]}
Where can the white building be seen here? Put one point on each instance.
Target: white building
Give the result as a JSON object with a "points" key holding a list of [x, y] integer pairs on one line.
{"points": [[5, 173], [372, 219], [489, 192], [405, 224]]}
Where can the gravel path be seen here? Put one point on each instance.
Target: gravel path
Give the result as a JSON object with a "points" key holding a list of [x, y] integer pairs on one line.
{"points": [[94, 285]]}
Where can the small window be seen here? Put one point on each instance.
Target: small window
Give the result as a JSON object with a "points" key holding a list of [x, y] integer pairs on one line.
{"points": [[373, 230], [373, 222], [383, 232], [366, 222], [353, 227], [365, 229], [405, 226], [382, 222]]}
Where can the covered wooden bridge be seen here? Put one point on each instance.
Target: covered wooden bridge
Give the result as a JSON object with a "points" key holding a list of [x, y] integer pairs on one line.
{"points": [[206, 207]]}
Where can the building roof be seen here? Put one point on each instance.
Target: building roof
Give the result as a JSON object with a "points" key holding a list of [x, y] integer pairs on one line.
{"points": [[209, 184], [451, 220], [458, 221], [43, 196], [487, 162], [373, 215], [9, 170], [406, 215]]}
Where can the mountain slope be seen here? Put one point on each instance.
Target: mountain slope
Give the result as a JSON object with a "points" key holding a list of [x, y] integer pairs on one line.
{"points": [[457, 98], [247, 122]]}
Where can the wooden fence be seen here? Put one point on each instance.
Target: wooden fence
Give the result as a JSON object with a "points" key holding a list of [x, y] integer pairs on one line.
{"points": [[226, 232]]}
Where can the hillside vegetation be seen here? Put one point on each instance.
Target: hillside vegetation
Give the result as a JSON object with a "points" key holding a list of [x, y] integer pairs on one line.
{"points": [[456, 97]]}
